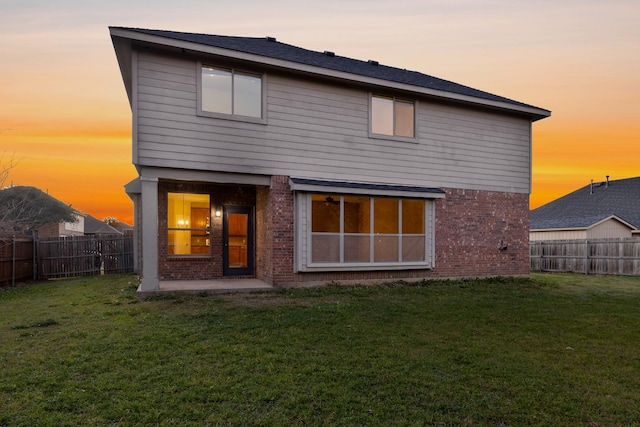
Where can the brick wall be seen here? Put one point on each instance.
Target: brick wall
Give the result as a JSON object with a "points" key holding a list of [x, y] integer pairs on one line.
{"points": [[197, 267], [264, 235], [470, 227], [278, 206]]}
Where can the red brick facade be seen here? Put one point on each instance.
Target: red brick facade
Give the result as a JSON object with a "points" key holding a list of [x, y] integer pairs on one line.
{"points": [[477, 234], [198, 267]]}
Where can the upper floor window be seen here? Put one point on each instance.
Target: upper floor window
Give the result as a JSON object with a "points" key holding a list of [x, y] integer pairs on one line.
{"points": [[392, 116], [227, 91]]}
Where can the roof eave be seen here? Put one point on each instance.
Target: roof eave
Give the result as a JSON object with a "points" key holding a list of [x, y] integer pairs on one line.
{"points": [[533, 113], [558, 229], [123, 49], [587, 227]]}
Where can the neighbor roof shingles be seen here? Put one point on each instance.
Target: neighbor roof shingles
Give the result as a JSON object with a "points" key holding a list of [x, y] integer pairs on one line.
{"points": [[585, 207]]}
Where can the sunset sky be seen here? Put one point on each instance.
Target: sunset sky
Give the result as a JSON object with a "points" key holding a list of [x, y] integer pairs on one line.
{"points": [[64, 112]]}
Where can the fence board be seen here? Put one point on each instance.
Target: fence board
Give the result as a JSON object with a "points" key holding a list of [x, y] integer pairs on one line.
{"points": [[85, 255], [64, 257], [603, 256], [16, 259]]}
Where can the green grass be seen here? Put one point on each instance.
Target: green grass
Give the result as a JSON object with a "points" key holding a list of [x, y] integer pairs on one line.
{"points": [[556, 350]]}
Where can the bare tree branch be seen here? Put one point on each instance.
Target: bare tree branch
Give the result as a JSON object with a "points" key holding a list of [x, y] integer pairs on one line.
{"points": [[5, 167]]}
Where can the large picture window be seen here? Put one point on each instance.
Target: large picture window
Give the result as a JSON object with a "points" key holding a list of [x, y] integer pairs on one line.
{"points": [[227, 91], [188, 224], [392, 117], [358, 230]]}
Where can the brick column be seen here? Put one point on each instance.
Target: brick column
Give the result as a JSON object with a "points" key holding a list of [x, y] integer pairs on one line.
{"points": [[275, 240]]}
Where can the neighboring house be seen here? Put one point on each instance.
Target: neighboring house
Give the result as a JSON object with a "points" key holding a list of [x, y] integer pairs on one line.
{"points": [[602, 210], [93, 226], [65, 228], [124, 228], [28, 209], [258, 159]]}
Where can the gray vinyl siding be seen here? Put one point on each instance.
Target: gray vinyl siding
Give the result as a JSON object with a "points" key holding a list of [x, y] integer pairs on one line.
{"points": [[320, 130]]}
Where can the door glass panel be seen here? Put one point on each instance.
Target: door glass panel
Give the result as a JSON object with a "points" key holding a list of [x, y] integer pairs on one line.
{"points": [[238, 238]]}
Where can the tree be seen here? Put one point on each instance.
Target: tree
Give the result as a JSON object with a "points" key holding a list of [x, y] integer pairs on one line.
{"points": [[5, 168], [28, 208], [111, 220]]}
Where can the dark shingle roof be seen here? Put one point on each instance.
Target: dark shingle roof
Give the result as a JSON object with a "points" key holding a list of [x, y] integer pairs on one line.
{"points": [[585, 207], [368, 186], [93, 225], [271, 48]]}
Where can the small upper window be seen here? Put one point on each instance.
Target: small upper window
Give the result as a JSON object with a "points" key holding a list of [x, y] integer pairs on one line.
{"points": [[227, 91], [392, 117]]}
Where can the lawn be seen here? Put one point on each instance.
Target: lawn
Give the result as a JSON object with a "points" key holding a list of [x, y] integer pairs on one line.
{"points": [[553, 350]]}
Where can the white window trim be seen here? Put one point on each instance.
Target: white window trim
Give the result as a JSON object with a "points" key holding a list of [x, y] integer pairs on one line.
{"points": [[372, 135], [234, 117], [304, 235]]}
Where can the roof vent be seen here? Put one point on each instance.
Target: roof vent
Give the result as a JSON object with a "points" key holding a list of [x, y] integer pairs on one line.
{"points": [[329, 53], [270, 39], [607, 182], [372, 62]]}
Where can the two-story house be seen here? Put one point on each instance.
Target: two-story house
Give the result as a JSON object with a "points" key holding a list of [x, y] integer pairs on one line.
{"points": [[258, 159]]}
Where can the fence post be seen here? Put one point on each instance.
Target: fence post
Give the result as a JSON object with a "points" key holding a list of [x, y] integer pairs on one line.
{"points": [[13, 261], [122, 258], [586, 257], [35, 254]]}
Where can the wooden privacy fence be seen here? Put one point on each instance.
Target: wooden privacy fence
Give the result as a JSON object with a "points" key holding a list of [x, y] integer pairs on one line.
{"points": [[16, 259], [24, 258], [602, 256]]}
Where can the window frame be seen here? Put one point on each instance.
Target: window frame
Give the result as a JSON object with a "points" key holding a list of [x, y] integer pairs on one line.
{"points": [[206, 230], [236, 117], [305, 242], [393, 137]]}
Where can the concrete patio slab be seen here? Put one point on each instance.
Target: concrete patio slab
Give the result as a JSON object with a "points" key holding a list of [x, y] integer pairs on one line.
{"points": [[207, 287]]}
